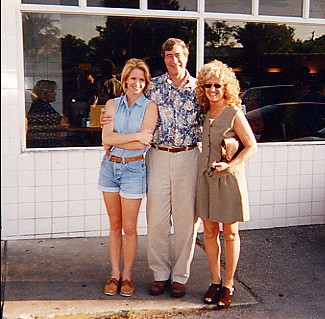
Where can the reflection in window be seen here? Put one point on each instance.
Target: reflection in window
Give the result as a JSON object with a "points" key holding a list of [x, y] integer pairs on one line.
{"points": [[317, 9], [288, 60], [85, 59], [181, 5], [52, 2], [288, 8], [237, 6], [133, 4], [281, 69]]}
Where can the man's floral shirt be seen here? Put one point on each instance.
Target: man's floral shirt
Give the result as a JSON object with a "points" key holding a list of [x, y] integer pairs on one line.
{"points": [[179, 113]]}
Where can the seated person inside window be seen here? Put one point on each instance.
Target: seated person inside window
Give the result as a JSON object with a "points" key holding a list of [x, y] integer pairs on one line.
{"points": [[46, 126]]}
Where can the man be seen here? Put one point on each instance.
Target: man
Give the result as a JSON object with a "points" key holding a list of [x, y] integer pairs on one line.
{"points": [[172, 172]]}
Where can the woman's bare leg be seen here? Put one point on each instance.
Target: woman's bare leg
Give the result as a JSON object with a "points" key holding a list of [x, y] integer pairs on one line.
{"points": [[212, 249], [114, 211], [130, 211], [232, 250]]}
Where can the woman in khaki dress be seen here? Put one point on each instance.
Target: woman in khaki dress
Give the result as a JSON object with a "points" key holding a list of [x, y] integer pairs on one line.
{"points": [[222, 192]]}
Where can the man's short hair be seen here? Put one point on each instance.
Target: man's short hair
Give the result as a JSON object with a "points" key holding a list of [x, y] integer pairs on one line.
{"points": [[169, 44]]}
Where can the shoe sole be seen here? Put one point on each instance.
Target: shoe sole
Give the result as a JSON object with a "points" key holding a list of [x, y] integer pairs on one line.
{"points": [[110, 293], [153, 293], [177, 295], [126, 295]]}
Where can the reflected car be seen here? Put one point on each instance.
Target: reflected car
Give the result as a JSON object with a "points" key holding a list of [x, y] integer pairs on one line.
{"points": [[284, 122], [259, 96]]}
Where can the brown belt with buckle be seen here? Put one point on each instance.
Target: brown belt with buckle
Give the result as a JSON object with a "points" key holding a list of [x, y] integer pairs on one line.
{"points": [[123, 159], [173, 149]]}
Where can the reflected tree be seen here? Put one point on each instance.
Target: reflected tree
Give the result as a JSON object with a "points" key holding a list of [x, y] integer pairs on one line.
{"points": [[161, 4], [260, 38], [220, 34], [41, 39], [41, 35], [165, 5], [125, 38], [120, 3], [312, 45], [75, 51]]}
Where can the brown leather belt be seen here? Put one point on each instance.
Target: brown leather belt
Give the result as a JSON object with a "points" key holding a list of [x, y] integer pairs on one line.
{"points": [[124, 159], [173, 149]]}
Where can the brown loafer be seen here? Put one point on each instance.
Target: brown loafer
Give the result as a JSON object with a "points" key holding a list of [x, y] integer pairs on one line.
{"points": [[158, 287], [127, 288], [111, 287], [178, 290]]}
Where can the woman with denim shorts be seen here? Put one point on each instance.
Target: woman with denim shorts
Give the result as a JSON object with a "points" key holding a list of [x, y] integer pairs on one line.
{"points": [[122, 177]]}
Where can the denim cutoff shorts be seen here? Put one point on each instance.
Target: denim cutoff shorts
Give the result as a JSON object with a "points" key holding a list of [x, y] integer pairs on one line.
{"points": [[128, 179]]}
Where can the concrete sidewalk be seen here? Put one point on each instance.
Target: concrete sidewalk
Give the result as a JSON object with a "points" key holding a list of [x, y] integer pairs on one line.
{"points": [[47, 278], [278, 270]]}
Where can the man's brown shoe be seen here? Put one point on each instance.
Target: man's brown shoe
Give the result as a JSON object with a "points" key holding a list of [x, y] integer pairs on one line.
{"points": [[178, 290], [158, 287]]}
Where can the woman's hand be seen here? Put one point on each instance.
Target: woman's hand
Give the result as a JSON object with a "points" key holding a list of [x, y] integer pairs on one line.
{"points": [[145, 137], [106, 146], [218, 167]]}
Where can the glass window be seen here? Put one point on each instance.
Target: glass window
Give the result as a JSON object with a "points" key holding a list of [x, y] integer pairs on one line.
{"points": [[317, 9], [80, 54], [132, 4], [281, 69], [235, 6], [181, 5], [53, 2], [288, 8]]}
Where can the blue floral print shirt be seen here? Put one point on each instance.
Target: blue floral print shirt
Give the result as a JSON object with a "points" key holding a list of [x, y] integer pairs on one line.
{"points": [[180, 116]]}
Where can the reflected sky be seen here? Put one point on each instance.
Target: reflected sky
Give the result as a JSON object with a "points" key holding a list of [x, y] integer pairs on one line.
{"points": [[84, 27]]}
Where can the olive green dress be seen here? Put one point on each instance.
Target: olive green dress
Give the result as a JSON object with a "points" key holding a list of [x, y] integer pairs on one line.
{"points": [[223, 197]]}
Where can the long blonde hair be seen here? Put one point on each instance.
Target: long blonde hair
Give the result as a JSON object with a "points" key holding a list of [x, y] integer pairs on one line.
{"points": [[228, 79]]}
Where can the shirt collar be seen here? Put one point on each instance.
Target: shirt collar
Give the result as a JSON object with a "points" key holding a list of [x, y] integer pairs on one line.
{"points": [[138, 102], [188, 81]]}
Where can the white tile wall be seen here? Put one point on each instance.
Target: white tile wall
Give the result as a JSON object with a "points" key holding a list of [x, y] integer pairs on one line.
{"points": [[52, 194]]}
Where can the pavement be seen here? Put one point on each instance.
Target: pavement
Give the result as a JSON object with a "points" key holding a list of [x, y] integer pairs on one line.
{"points": [[280, 269]]}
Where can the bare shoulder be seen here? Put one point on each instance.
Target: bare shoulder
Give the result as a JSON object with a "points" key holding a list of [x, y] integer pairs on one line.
{"points": [[152, 105], [240, 115], [110, 107]]}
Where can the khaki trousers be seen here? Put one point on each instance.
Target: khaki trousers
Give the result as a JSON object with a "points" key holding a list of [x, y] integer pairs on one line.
{"points": [[171, 180]]}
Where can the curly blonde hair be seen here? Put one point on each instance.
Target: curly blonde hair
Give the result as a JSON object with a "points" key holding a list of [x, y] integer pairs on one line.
{"points": [[228, 79]]}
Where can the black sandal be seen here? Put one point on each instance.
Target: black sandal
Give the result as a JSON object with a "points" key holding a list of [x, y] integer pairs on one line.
{"points": [[226, 297], [213, 293]]}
